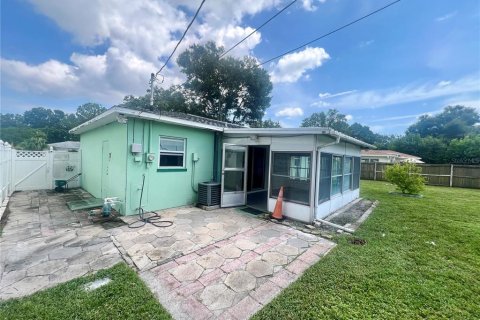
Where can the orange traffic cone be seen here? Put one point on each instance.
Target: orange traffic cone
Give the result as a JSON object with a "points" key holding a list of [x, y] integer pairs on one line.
{"points": [[277, 212]]}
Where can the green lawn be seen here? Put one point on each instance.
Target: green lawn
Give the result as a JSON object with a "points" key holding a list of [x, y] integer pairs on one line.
{"points": [[125, 297], [399, 273]]}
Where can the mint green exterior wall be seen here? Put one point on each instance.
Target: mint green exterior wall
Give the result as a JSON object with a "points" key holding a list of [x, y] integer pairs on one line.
{"points": [[165, 188], [93, 176]]}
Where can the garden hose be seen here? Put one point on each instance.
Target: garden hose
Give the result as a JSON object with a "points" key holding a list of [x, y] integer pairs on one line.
{"points": [[155, 219]]}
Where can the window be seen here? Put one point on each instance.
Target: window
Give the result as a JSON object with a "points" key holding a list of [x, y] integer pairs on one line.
{"points": [[356, 173], [325, 177], [337, 174], [172, 152], [291, 170], [347, 173]]}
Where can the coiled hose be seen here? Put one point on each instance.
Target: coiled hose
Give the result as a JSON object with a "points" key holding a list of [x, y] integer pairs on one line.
{"points": [[154, 219]]}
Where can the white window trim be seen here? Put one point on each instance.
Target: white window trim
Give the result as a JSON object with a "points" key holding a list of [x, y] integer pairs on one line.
{"points": [[184, 152], [309, 177], [349, 175], [335, 176]]}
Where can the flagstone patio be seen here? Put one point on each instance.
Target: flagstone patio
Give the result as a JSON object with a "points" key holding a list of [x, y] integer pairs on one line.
{"points": [[223, 264]]}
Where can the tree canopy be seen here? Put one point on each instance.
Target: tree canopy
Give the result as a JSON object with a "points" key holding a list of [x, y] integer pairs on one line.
{"points": [[452, 136], [228, 89], [38, 126], [453, 122]]}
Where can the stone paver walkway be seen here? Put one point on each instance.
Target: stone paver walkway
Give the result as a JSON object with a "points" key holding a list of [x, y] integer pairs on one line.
{"points": [[221, 264], [44, 243], [192, 229], [235, 277]]}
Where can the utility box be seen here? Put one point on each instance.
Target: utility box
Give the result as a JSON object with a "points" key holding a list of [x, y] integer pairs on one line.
{"points": [[137, 148]]}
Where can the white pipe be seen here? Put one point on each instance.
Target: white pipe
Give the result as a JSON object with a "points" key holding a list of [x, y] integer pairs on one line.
{"points": [[337, 140], [331, 224]]}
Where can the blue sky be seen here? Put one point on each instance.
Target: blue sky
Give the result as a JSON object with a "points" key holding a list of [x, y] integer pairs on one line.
{"points": [[413, 58]]}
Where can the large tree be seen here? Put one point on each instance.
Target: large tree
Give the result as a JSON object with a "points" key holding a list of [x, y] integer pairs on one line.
{"points": [[452, 123], [171, 99], [227, 89], [331, 119], [88, 111]]}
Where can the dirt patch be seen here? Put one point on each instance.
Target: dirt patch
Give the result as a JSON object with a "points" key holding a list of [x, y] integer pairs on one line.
{"points": [[358, 241]]}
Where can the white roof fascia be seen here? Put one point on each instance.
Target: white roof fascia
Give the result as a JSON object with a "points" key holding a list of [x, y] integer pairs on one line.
{"points": [[111, 115], [296, 131]]}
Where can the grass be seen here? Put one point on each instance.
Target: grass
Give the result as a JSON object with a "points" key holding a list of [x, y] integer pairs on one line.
{"points": [[125, 297], [421, 260]]}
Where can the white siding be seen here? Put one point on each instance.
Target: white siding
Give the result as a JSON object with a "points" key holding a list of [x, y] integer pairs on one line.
{"points": [[306, 143]]}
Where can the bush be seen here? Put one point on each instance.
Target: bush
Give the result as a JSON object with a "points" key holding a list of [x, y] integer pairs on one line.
{"points": [[406, 177]]}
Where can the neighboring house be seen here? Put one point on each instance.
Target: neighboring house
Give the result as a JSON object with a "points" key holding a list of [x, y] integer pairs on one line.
{"points": [[319, 168], [65, 146], [388, 156]]}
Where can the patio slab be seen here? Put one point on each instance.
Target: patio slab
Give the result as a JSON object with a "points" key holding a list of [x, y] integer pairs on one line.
{"points": [[192, 229], [236, 276], [44, 243], [208, 265]]}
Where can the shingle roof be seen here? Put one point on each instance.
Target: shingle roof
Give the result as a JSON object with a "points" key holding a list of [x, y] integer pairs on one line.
{"points": [[191, 117], [387, 153], [66, 145]]}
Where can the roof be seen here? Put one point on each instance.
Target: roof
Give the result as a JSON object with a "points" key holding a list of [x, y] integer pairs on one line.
{"points": [[387, 153], [119, 114], [177, 118], [66, 145], [296, 132]]}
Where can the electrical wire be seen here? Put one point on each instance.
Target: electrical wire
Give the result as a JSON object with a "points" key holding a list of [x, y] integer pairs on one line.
{"points": [[154, 219], [258, 28], [330, 33], [181, 39]]}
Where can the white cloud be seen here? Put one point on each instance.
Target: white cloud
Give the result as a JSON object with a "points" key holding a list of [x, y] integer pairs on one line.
{"points": [[293, 66], [290, 112], [447, 16], [309, 5], [321, 104], [349, 117], [472, 103], [327, 95], [409, 93], [443, 83], [366, 43], [137, 35]]}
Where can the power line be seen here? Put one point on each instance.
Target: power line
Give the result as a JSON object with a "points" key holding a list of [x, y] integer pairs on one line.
{"points": [[331, 32], [183, 36], [258, 28]]}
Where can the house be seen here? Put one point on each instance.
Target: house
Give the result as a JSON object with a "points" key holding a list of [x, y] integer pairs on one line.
{"points": [[388, 156], [65, 146], [319, 168]]}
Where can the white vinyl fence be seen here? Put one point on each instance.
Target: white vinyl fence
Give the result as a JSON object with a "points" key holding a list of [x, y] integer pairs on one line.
{"points": [[22, 170], [6, 187]]}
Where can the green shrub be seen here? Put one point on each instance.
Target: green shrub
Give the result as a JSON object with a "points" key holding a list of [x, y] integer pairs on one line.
{"points": [[406, 177]]}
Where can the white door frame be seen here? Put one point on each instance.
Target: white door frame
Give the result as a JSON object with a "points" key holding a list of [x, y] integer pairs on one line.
{"points": [[235, 198]]}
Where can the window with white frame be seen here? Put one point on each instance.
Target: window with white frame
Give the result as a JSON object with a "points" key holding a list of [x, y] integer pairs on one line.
{"points": [[356, 173], [172, 152], [337, 174], [325, 182], [347, 173], [291, 170]]}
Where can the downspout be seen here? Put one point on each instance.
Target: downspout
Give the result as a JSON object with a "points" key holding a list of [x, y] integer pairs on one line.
{"points": [[215, 156]]}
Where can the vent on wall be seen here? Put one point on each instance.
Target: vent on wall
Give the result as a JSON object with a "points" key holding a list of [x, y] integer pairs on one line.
{"points": [[209, 193]]}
